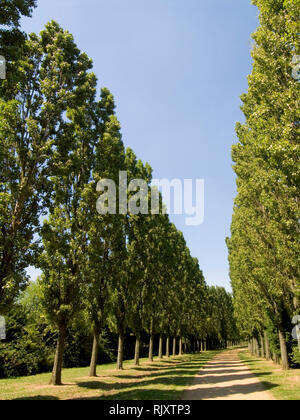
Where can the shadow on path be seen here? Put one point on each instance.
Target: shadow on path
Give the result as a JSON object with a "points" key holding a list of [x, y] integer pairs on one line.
{"points": [[226, 377]]}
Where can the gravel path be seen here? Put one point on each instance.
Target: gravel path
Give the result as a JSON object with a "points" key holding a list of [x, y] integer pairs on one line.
{"points": [[226, 378]]}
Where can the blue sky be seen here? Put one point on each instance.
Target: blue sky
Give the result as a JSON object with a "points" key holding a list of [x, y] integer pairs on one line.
{"points": [[177, 69]]}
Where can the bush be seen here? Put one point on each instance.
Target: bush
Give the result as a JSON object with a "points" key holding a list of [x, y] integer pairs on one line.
{"points": [[22, 358], [30, 340], [295, 356]]}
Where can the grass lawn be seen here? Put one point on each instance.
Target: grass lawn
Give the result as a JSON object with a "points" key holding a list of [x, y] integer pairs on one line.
{"points": [[160, 380], [283, 385]]}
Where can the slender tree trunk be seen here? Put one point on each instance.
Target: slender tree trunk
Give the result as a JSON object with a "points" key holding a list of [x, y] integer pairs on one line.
{"points": [[174, 346], [160, 349], [184, 346], [180, 346], [262, 346], [151, 347], [94, 358], [276, 359], [168, 347], [137, 351], [283, 350], [201, 346], [267, 346], [256, 348], [58, 361], [205, 345], [120, 352]]}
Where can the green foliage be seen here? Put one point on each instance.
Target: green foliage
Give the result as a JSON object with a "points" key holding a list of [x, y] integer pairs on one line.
{"points": [[11, 11], [24, 352], [100, 271], [53, 81], [264, 243], [12, 41], [295, 356], [221, 323], [79, 338], [30, 345], [62, 281], [272, 333]]}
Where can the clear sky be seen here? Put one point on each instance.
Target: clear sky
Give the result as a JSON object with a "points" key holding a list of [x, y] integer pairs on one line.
{"points": [[177, 69]]}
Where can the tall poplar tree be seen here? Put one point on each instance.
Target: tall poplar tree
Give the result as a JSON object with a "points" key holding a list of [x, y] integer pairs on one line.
{"points": [[103, 231], [51, 82], [264, 247], [63, 232]]}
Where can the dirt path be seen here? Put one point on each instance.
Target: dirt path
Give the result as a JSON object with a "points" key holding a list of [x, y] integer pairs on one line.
{"points": [[226, 378]]}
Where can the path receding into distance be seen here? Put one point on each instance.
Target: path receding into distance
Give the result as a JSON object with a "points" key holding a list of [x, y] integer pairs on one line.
{"points": [[226, 378]]}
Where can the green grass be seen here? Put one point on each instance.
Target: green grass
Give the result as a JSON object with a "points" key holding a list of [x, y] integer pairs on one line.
{"points": [[160, 380], [284, 385]]}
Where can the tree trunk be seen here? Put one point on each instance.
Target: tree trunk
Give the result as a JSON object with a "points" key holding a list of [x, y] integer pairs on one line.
{"points": [[201, 346], [160, 349], [137, 351], [283, 350], [275, 358], [94, 358], [120, 352], [205, 345], [184, 346], [168, 347], [267, 346], [256, 348], [58, 361], [151, 348], [174, 346], [253, 347], [262, 346], [180, 346]]}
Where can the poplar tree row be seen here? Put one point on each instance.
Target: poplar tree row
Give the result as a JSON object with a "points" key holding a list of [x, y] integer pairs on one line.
{"points": [[128, 272], [265, 234]]}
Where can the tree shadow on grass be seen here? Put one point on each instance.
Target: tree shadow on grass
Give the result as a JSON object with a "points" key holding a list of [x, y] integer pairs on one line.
{"points": [[182, 379], [158, 374], [148, 369], [106, 386], [155, 394], [181, 375], [137, 395], [166, 374]]}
